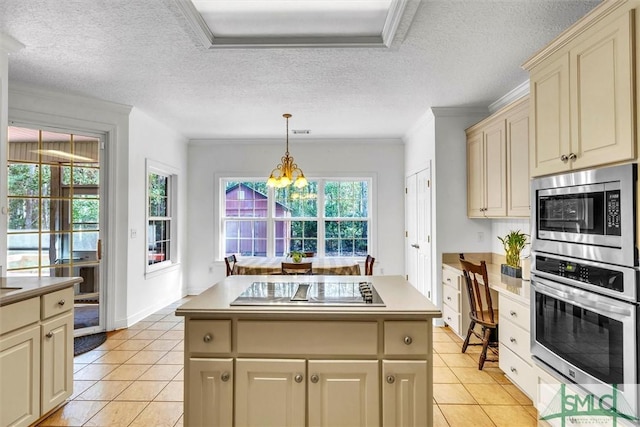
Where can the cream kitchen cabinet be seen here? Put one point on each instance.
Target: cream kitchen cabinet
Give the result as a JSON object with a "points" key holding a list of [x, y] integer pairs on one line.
{"points": [[309, 365], [514, 337], [497, 164], [582, 94], [455, 301], [36, 356]]}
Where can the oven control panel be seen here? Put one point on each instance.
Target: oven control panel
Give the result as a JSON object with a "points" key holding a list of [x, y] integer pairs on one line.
{"points": [[597, 276]]}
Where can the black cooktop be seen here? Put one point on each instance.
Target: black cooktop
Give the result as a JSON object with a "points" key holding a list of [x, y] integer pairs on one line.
{"points": [[347, 293]]}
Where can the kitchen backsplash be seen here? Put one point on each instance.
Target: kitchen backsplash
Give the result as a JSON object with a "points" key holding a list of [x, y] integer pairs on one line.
{"points": [[501, 227]]}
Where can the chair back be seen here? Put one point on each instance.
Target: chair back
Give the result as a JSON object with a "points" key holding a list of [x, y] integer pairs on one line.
{"points": [[309, 254], [480, 302], [230, 261], [368, 265], [296, 268]]}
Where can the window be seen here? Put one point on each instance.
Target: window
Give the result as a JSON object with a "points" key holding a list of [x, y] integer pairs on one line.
{"points": [[330, 217], [161, 233]]}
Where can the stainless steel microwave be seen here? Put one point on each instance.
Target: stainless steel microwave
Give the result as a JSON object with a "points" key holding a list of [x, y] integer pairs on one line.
{"points": [[587, 214]]}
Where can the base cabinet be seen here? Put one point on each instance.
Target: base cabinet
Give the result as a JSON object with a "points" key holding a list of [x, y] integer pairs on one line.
{"points": [[210, 394], [404, 393], [57, 352], [20, 373]]}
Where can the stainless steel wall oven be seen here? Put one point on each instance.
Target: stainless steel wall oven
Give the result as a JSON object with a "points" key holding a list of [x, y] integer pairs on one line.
{"points": [[584, 278]]}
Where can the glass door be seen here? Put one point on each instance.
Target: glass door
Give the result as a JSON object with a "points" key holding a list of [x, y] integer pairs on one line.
{"points": [[54, 214]]}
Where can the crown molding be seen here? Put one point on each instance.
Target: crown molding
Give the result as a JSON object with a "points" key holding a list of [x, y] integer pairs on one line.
{"points": [[9, 44], [518, 92]]}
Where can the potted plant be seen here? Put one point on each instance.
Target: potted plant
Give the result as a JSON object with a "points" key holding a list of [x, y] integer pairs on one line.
{"points": [[296, 256], [514, 242]]}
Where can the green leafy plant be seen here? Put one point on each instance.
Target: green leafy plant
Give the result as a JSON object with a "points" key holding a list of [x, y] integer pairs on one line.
{"points": [[297, 256], [514, 242]]}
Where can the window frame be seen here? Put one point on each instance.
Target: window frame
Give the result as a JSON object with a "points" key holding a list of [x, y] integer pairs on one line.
{"points": [[320, 219], [161, 169]]}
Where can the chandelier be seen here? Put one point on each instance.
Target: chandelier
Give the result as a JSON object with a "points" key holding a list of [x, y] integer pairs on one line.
{"points": [[287, 172]]}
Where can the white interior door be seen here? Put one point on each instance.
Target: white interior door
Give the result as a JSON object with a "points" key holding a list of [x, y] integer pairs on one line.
{"points": [[411, 232], [423, 236]]}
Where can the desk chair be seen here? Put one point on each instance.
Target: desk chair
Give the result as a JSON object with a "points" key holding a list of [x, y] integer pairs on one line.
{"points": [[368, 265], [482, 311], [231, 263], [296, 268]]}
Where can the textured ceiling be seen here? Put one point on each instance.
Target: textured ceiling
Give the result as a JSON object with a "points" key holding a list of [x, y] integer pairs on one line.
{"points": [[143, 53]]}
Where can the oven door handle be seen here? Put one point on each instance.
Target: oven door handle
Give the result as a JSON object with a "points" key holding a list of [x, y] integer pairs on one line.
{"points": [[577, 298]]}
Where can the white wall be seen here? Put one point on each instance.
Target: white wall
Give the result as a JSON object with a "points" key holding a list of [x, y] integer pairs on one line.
{"points": [[439, 136], [211, 159], [501, 227], [131, 136], [151, 139]]}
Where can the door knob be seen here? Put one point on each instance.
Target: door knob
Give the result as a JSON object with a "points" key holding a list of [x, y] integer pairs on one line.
{"points": [[564, 158], [408, 340], [572, 156], [225, 377], [207, 338], [391, 379], [298, 378], [315, 378]]}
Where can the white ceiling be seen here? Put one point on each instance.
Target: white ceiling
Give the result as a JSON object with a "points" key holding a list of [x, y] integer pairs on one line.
{"points": [[145, 54]]}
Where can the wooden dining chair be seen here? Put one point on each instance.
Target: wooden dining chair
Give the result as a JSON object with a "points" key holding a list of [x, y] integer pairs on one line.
{"points": [[309, 254], [230, 261], [296, 268], [368, 265], [482, 311]]}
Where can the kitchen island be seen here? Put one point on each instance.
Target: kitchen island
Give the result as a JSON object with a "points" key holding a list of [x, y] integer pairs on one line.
{"points": [[309, 364]]}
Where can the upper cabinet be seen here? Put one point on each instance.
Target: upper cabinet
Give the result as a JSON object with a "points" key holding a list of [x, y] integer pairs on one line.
{"points": [[582, 86], [498, 164]]}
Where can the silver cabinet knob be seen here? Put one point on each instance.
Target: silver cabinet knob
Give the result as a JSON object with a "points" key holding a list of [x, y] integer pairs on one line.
{"points": [[61, 302], [449, 298], [564, 158], [315, 378], [207, 338], [408, 340], [49, 334], [225, 376], [513, 313], [514, 370], [512, 339], [572, 156], [391, 379], [298, 378]]}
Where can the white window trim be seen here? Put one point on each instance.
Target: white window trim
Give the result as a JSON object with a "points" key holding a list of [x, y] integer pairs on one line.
{"points": [[220, 179], [152, 166]]}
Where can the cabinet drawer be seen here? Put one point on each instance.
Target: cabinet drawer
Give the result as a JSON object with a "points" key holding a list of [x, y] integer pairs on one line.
{"points": [[406, 337], [19, 314], [518, 371], [451, 297], [516, 312], [515, 338], [451, 277], [307, 337], [451, 318], [57, 302], [209, 336]]}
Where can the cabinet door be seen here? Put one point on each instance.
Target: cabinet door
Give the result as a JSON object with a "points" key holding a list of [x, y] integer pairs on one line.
{"points": [[270, 392], [475, 175], [518, 181], [209, 398], [343, 393], [20, 373], [404, 393], [602, 101], [495, 169], [57, 360], [549, 117]]}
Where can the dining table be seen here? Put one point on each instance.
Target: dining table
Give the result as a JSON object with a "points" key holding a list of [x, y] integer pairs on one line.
{"points": [[319, 265]]}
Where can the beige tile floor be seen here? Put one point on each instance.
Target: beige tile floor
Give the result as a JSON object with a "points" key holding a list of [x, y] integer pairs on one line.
{"points": [[136, 379]]}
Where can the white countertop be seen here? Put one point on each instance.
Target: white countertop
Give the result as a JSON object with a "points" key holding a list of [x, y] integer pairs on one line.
{"points": [[32, 287], [401, 299], [514, 288]]}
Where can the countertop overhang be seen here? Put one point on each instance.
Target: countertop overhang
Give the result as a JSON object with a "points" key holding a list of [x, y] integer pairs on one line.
{"points": [[401, 300], [32, 287]]}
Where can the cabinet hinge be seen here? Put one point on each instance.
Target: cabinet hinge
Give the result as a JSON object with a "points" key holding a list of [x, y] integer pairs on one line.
{"points": [[406, 234], [406, 190], [428, 239], [428, 183]]}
